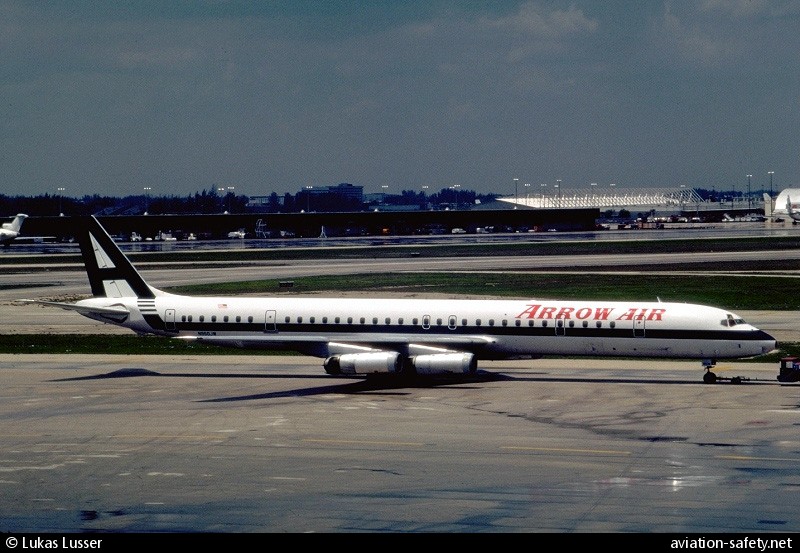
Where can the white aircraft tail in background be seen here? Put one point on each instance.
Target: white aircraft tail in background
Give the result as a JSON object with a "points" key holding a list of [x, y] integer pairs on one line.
{"points": [[409, 336], [11, 230], [787, 204]]}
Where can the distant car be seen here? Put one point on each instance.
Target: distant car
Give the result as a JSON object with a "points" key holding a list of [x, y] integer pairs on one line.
{"points": [[458, 231], [237, 234]]}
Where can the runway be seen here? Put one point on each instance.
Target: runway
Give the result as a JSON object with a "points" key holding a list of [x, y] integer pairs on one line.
{"points": [[241, 444]]}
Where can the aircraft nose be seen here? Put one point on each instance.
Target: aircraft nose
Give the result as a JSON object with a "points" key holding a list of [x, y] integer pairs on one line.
{"points": [[769, 343]]}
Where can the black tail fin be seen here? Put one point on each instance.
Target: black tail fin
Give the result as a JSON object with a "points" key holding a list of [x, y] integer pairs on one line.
{"points": [[110, 273]]}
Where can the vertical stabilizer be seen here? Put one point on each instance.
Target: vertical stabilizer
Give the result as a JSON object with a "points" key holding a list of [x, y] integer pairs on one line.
{"points": [[16, 224], [110, 273]]}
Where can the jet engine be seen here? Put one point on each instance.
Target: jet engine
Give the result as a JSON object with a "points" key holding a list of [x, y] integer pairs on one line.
{"points": [[363, 363], [440, 363]]}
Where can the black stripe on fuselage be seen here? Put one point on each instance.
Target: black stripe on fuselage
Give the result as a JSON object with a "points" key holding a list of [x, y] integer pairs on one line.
{"points": [[417, 332]]}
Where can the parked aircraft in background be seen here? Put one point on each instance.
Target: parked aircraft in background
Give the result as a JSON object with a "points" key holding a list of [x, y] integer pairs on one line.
{"points": [[409, 336], [787, 204], [11, 230]]}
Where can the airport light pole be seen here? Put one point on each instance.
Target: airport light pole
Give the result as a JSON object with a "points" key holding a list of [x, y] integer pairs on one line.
{"points": [[308, 198], [770, 173], [61, 190], [683, 189], [527, 192], [230, 193], [147, 190], [748, 190], [558, 186], [516, 192]]}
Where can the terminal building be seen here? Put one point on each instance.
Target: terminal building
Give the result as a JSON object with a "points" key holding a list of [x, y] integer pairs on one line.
{"points": [[654, 203]]}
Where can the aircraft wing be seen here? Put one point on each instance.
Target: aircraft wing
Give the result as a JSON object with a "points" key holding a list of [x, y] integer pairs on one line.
{"points": [[367, 339], [323, 346]]}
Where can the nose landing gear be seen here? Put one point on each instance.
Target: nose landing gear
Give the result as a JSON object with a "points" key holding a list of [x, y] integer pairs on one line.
{"points": [[709, 377]]}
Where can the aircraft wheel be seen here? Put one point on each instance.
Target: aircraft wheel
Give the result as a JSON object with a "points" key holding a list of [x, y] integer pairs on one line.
{"points": [[709, 377]]}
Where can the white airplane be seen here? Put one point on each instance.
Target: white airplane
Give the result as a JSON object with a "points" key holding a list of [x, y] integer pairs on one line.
{"points": [[409, 336], [785, 206], [10, 231]]}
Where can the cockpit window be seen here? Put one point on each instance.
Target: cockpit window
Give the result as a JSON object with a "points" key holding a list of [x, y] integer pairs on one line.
{"points": [[730, 320]]}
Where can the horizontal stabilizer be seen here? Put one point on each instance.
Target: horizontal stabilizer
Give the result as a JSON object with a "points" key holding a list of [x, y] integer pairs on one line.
{"points": [[112, 312]]}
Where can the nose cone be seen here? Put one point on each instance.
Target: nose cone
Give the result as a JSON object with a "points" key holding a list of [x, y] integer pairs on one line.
{"points": [[767, 341]]}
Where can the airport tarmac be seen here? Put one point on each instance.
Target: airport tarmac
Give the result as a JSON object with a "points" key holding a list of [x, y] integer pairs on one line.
{"points": [[241, 444]]}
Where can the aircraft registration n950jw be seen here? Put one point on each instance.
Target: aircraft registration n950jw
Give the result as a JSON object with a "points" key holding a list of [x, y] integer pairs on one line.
{"points": [[409, 336]]}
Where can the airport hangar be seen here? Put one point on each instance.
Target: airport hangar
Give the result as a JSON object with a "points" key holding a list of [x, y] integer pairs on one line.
{"points": [[576, 211]]}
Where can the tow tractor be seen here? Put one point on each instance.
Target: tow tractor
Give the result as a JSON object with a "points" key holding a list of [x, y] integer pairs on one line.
{"points": [[790, 370]]}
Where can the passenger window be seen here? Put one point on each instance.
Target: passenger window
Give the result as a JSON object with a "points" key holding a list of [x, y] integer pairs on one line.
{"points": [[517, 322], [598, 324], [477, 322], [363, 320], [504, 323], [238, 318], [312, 319], [544, 323], [463, 322], [491, 322], [202, 318], [388, 321], [349, 320], [225, 319], [324, 320], [336, 320], [299, 320], [213, 318], [400, 321], [287, 319], [250, 319], [585, 324], [374, 320]]}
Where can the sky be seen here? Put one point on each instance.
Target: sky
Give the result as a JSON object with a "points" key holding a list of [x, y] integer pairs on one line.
{"points": [[110, 97]]}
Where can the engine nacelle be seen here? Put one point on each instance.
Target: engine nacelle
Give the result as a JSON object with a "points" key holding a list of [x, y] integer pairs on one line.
{"points": [[364, 363], [440, 363]]}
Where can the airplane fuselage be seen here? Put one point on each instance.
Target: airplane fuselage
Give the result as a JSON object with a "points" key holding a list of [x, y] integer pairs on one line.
{"points": [[490, 329]]}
